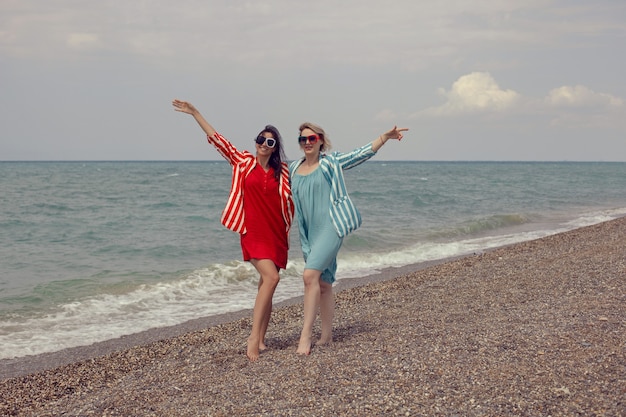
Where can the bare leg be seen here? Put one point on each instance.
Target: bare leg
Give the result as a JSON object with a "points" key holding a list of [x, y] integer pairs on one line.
{"points": [[311, 279], [327, 312], [268, 281], [264, 326]]}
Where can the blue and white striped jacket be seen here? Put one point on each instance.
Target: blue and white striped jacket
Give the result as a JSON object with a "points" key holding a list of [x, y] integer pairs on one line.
{"points": [[343, 213]]}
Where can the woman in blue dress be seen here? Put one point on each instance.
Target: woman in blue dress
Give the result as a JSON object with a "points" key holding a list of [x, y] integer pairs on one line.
{"points": [[325, 215]]}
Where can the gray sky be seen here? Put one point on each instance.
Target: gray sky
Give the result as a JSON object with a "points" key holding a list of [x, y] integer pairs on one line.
{"points": [[472, 79]]}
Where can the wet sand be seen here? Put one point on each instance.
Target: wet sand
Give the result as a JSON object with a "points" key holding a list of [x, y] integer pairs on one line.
{"points": [[534, 329]]}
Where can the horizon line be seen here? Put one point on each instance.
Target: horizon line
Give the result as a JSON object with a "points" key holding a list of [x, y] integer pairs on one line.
{"points": [[377, 160]]}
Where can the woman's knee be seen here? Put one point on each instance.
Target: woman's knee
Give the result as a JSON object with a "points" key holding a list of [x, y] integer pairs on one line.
{"points": [[270, 278], [311, 277], [268, 272]]}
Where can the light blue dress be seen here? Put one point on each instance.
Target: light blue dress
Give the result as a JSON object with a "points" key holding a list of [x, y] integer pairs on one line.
{"points": [[318, 237]]}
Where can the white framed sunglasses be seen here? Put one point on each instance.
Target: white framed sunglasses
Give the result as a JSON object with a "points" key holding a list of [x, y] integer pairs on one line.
{"points": [[269, 142]]}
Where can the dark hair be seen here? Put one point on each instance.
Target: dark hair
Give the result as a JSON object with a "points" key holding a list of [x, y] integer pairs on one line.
{"points": [[278, 155]]}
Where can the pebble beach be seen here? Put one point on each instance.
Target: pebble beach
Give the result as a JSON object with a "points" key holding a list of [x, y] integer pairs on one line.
{"points": [[532, 329]]}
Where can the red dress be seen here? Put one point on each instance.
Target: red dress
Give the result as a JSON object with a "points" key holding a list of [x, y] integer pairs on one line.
{"points": [[266, 236]]}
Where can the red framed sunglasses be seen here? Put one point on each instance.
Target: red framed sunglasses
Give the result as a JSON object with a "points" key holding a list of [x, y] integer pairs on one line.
{"points": [[311, 138]]}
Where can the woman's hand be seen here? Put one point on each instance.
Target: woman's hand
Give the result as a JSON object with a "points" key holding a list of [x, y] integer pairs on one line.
{"points": [[184, 107], [395, 133]]}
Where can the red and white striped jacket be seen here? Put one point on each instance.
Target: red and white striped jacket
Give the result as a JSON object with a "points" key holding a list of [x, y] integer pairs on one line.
{"points": [[243, 162]]}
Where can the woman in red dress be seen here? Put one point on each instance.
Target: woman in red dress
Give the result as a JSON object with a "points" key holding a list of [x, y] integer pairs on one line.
{"points": [[262, 218]]}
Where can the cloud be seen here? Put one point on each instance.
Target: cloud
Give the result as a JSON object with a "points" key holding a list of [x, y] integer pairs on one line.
{"points": [[502, 66], [580, 96], [569, 107], [367, 33], [580, 107], [386, 115], [82, 40], [477, 92]]}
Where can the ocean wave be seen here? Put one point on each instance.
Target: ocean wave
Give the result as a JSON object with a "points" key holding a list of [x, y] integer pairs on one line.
{"points": [[481, 225], [124, 308], [483, 234], [115, 311]]}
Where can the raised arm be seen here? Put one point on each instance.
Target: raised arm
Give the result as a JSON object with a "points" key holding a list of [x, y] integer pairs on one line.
{"points": [[222, 145], [186, 107], [394, 133]]}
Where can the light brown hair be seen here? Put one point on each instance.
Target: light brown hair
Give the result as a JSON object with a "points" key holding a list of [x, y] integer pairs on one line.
{"points": [[326, 145]]}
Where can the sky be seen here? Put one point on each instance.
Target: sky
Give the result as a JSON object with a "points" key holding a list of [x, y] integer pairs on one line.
{"points": [[502, 80]]}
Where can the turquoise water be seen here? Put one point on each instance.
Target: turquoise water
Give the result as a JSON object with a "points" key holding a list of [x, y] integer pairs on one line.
{"points": [[95, 250]]}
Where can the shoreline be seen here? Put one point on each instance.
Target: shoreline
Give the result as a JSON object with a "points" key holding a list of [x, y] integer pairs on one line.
{"points": [[535, 328], [26, 365]]}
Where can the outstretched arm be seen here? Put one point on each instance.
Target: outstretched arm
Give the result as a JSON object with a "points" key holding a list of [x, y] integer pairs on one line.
{"points": [[358, 156], [223, 146], [186, 107], [395, 133]]}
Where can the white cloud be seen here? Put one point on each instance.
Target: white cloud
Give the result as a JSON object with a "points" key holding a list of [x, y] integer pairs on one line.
{"points": [[471, 93], [386, 115], [82, 40], [581, 96], [568, 107], [371, 63], [581, 107], [369, 33]]}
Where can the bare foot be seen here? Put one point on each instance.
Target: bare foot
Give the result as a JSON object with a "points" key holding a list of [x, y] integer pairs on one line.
{"points": [[253, 350], [262, 347], [304, 347], [324, 340]]}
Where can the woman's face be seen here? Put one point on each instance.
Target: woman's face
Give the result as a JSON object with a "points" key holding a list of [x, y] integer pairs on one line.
{"points": [[310, 142], [263, 148]]}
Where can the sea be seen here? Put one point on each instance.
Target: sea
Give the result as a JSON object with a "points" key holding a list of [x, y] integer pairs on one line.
{"points": [[92, 251]]}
